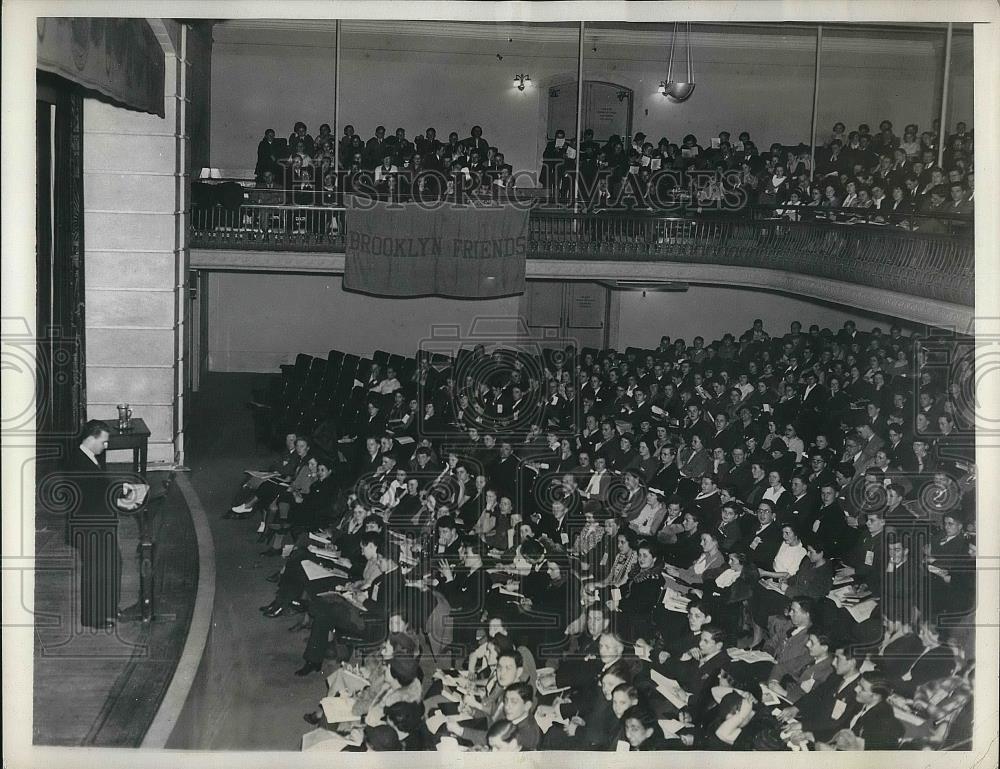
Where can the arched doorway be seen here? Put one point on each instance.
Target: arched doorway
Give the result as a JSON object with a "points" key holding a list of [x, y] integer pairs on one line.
{"points": [[607, 109]]}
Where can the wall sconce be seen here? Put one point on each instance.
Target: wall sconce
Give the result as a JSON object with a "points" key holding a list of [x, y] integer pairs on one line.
{"points": [[521, 80]]}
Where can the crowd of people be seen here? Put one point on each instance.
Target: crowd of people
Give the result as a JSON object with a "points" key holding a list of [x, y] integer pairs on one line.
{"points": [[320, 171], [759, 543], [881, 176]]}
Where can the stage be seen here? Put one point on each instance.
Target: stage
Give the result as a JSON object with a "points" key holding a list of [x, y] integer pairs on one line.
{"points": [[103, 688]]}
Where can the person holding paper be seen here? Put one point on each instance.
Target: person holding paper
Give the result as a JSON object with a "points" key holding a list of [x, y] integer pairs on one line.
{"points": [[706, 566], [875, 726], [517, 710], [263, 490], [553, 158], [92, 526], [350, 610], [697, 670]]}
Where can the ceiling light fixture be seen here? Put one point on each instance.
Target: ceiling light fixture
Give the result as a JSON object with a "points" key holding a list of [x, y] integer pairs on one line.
{"points": [[678, 91]]}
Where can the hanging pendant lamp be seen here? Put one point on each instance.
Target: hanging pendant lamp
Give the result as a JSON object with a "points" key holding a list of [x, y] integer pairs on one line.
{"points": [[679, 90]]}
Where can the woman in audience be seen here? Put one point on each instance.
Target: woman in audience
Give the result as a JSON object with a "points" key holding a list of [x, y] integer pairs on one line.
{"points": [[627, 457], [641, 593], [789, 559], [693, 460], [648, 465], [607, 555], [776, 493], [729, 595], [706, 567]]}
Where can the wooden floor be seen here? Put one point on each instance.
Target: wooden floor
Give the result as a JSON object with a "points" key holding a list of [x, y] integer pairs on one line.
{"points": [[103, 688], [246, 696]]}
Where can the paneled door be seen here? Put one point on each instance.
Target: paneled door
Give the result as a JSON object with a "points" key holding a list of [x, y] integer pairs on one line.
{"points": [[564, 312]]}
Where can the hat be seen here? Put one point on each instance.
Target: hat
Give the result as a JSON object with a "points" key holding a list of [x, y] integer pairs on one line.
{"points": [[778, 444], [382, 737]]}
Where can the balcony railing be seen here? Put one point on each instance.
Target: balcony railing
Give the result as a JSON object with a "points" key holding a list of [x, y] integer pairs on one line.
{"points": [[933, 266], [846, 245]]}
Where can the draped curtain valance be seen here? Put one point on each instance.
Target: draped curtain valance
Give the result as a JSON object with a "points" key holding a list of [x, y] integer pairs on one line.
{"points": [[119, 58]]}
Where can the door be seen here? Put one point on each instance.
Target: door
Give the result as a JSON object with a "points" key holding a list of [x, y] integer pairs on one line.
{"points": [[567, 312], [607, 109]]}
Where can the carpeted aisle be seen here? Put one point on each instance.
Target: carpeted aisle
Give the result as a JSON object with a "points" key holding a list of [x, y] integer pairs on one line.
{"points": [[248, 697]]}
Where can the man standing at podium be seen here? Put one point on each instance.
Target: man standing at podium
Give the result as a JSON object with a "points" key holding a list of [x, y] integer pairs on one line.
{"points": [[93, 527]]}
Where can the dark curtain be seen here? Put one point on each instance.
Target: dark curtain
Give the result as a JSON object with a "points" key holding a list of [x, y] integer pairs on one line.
{"points": [[61, 362]]}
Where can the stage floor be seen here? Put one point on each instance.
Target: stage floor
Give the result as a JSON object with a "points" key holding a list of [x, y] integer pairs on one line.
{"points": [[97, 688]]}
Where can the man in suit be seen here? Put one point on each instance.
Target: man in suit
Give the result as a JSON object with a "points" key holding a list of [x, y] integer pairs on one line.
{"points": [[790, 649], [849, 334], [93, 527], [268, 154], [875, 726], [855, 456], [829, 524], [723, 437], [819, 668], [803, 505], [608, 446], [503, 473], [740, 475], [819, 472], [959, 203], [476, 142], [635, 499], [814, 397], [900, 452], [667, 476], [375, 148], [766, 540], [698, 670], [707, 503], [830, 705], [871, 441], [596, 490], [865, 560]]}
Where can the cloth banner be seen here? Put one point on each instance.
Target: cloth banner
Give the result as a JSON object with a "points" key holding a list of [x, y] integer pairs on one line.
{"points": [[456, 251], [119, 58]]}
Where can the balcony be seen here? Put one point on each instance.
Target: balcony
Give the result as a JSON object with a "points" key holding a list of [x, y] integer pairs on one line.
{"points": [[836, 255]]}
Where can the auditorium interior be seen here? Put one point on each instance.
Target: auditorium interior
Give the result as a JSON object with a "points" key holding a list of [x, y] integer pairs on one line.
{"points": [[568, 386]]}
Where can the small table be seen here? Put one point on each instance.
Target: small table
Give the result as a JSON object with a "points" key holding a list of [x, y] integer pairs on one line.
{"points": [[135, 438]]}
